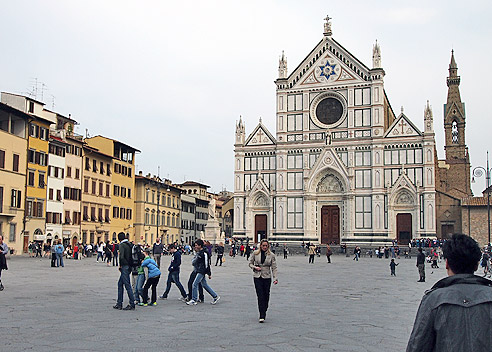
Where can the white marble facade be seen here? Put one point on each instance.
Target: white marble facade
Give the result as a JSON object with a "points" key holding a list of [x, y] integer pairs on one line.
{"points": [[342, 167]]}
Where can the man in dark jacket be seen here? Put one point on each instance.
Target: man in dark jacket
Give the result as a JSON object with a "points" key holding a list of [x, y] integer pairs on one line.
{"points": [[455, 314], [421, 265], [202, 268], [125, 257], [157, 250], [173, 275]]}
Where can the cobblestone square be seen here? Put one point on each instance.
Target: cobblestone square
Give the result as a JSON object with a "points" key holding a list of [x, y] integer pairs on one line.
{"points": [[343, 306]]}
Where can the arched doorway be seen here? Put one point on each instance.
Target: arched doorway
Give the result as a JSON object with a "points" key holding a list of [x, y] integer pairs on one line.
{"points": [[330, 224], [404, 228], [260, 227]]}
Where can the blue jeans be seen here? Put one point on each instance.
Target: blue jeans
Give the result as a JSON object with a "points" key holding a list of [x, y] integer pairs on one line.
{"points": [[200, 278], [59, 259], [173, 276], [138, 291], [125, 281]]}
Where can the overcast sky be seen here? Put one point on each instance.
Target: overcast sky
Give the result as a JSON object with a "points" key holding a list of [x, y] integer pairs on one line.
{"points": [[172, 78]]}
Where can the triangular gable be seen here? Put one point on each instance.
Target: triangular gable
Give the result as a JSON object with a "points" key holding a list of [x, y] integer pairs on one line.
{"points": [[328, 63], [327, 159], [402, 126], [402, 190], [259, 195], [260, 136]]}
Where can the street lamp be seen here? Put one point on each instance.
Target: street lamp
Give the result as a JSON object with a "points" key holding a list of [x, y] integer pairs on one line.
{"points": [[478, 171]]}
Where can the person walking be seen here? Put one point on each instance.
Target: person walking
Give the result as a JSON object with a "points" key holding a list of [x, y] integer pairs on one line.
{"points": [[100, 251], [454, 315], [157, 250], [173, 276], [202, 266], [220, 253], [393, 267], [421, 265], [114, 250], [153, 276], [4, 251], [264, 265], [286, 251], [311, 253], [124, 280], [108, 253], [329, 252]]}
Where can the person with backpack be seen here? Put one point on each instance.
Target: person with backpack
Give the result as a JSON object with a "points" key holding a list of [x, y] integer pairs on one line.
{"points": [[153, 276], [138, 274], [126, 262], [202, 266], [173, 275]]}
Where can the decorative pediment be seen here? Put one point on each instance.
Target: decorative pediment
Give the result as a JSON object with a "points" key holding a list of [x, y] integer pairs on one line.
{"points": [[328, 174], [403, 192], [328, 64], [259, 195], [402, 127], [260, 136]]}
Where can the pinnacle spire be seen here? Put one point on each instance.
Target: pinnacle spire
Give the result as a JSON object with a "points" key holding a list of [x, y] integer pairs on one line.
{"points": [[453, 68], [376, 55], [282, 66]]}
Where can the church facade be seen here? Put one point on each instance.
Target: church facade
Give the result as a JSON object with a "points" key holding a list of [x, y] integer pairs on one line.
{"points": [[342, 167]]}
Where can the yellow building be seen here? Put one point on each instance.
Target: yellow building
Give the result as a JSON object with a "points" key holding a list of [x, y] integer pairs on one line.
{"points": [[157, 210], [13, 151], [38, 128], [123, 183], [96, 195]]}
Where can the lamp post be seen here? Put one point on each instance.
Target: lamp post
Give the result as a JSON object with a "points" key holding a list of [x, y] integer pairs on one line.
{"points": [[478, 171]]}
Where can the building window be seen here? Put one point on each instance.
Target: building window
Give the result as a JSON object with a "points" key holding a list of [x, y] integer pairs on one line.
{"points": [[86, 185], [362, 96], [294, 161], [15, 163], [422, 210], [116, 212], [94, 185], [363, 179], [107, 190], [15, 198], [294, 180], [116, 190], [41, 181], [77, 174], [249, 181], [294, 102], [363, 212], [30, 179], [12, 232], [69, 171], [294, 213], [362, 158], [128, 214], [454, 132], [362, 118], [294, 122]]}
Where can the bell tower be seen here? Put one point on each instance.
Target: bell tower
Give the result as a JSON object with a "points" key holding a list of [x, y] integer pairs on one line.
{"points": [[454, 130]]}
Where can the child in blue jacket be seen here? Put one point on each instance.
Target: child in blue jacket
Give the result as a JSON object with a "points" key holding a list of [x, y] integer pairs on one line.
{"points": [[153, 277]]}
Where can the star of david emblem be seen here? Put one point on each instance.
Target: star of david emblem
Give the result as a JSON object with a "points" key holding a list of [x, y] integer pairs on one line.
{"points": [[327, 70]]}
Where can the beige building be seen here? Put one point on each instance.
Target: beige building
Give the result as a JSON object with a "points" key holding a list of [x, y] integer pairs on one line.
{"points": [[96, 195], [199, 192], [157, 210], [122, 172], [13, 148]]}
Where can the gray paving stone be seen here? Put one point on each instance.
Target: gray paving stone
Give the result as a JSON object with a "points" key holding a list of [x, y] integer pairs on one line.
{"points": [[343, 306]]}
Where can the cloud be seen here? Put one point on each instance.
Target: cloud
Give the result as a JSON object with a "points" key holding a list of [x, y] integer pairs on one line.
{"points": [[409, 15]]}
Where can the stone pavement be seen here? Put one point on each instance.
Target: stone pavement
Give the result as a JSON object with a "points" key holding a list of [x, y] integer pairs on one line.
{"points": [[343, 306]]}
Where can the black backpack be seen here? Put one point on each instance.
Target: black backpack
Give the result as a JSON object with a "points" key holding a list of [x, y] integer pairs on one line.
{"points": [[136, 257]]}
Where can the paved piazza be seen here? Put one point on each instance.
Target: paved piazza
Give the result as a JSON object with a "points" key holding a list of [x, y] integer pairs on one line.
{"points": [[343, 306]]}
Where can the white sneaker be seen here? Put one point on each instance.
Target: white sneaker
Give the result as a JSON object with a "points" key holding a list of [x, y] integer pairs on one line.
{"points": [[191, 302], [183, 299], [215, 300]]}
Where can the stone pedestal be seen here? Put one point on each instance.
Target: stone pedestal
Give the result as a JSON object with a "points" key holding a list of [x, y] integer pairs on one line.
{"points": [[212, 232]]}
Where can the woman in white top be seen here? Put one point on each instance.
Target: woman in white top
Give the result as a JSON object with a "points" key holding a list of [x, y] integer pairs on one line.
{"points": [[264, 266]]}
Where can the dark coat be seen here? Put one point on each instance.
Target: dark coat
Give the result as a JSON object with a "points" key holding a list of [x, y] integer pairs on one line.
{"points": [[455, 315]]}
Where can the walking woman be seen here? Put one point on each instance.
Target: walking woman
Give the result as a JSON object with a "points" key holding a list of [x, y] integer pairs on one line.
{"points": [[264, 266]]}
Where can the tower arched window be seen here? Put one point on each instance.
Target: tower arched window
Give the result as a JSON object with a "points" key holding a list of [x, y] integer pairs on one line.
{"points": [[454, 132]]}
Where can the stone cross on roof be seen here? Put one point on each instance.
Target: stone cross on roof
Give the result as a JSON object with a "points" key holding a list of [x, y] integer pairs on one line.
{"points": [[327, 27]]}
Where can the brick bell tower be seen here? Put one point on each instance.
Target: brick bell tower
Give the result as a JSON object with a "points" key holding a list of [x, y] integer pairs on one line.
{"points": [[457, 157]]}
